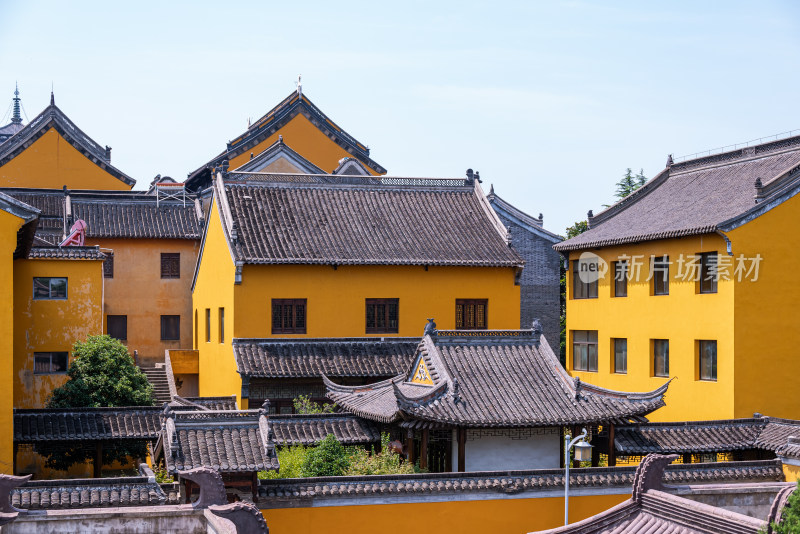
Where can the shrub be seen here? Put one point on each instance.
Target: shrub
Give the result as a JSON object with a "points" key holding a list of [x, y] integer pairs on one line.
{"points": [[304, 405], [328, 459], [385, 462], [291, 461], [790, 518]]}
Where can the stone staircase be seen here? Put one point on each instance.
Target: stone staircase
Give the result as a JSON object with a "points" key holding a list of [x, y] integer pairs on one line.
{"points": [[158, 378]]}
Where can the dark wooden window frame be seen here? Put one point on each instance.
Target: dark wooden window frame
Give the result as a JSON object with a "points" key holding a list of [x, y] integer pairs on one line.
{"points": [[385, 320], [621, 276], [221, 317], [707, 282], [709, 374], [170, 265], [108, 265], [289, 316], [591, 365], [661, 361], [461, 314], [124, 333], [208, 325], [40, 281], [165, 327], [40, 356], [659, 266], [621, 369], [581, 289]]}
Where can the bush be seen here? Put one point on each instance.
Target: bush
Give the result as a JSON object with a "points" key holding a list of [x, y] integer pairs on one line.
{"points": [[291, 461], [790, 518], [385, 462], [304, 405], [328, 459]]}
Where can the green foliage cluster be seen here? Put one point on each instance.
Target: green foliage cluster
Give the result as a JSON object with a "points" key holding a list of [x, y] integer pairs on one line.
{"points": [[102, 374], [629, 183], [790, 518], [331, 458], [161, 473], [304, 405]]}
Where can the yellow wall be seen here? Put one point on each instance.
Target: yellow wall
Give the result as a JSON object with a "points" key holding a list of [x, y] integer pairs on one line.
{"points": [[9, 225], [138, 291], [52, 325], [305, 139], [683, 317], [791, 472], [51, 162], [767, 327], [506, 516]]}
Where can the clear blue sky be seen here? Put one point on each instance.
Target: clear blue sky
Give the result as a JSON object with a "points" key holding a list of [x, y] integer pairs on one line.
{"points": [[549, 101]]}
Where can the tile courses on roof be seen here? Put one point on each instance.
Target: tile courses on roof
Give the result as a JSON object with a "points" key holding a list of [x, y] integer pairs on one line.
{"points": [[407, 222], [77, 424], [505, 378], [764, 433], [229, 441], [53, 117], [311, 429], [651, 509], [205, 403], [111, 214], [492, 483], [699, 196], [342, 357], [88, 493], [66, 253]]}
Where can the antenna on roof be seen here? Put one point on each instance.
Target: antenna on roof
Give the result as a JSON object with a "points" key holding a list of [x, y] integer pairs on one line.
{"points": [[16, 118], [299, 85]]}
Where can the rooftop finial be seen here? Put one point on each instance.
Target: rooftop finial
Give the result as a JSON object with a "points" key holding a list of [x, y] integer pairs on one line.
{"points": [[16, 118], [299, 85], [669, 160], [52, 98]]}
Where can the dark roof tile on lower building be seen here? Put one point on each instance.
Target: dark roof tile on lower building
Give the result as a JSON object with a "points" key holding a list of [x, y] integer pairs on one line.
{"points": [[66, 253], [87, 493], [77, 424], [311, 429]]}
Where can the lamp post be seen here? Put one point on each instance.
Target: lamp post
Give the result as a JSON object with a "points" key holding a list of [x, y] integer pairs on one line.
{"points": [[583, 452]]}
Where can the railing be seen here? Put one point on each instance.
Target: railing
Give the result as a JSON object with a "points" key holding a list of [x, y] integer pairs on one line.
{"points": [[720, 150]]}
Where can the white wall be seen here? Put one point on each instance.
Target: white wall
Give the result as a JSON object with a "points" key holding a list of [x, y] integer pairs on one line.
{"points": [[509, 448]]}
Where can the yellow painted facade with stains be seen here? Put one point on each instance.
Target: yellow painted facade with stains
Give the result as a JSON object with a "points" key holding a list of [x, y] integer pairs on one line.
{"points": [[336, 300], [754, 323], [463, 516], [51, 162], [306, 139], [138, 292], [52, 325], [9, 226]]}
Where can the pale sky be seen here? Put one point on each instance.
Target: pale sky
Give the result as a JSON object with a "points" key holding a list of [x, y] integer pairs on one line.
{"points": [[550, 101]]}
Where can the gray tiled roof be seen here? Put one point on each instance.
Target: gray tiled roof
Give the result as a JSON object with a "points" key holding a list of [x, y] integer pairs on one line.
{"points": [[705, 436], [225, 440], [311, 429], [697, 196], [87, 493], [274, 358], [485, 380], [74, 424], [209, 403], [66, 253], [364, 225], [53, 117], [505, 482]]}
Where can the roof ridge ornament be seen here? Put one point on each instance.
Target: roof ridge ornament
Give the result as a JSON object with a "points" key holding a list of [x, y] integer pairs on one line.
{"points": [[16, 118], [536, 331], [649, 474], [430, 328], [299, 84], [669, 160]]}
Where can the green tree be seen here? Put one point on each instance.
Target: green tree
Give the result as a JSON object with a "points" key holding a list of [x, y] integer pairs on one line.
{"points": [[629, 183], [576, 229], [304, 405], [789, 522], [328, 459], [101, 374]]}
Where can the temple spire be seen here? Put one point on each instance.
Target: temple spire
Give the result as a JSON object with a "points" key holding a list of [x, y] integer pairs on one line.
{"points": [[16, 118]]}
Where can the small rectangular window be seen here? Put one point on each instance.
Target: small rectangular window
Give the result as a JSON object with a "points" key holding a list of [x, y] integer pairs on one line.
{"points": [[222, 325], [659, 266], [288, 316], [49, 288], [170, 265], [708, 272], [661, 357], [620, 278], [208, 325], [108, 265], [50, 362], [584, 350], [117, 326], [170, 327], [708, 360], [196, 330], [621, 356], [471, 314], [584, 279], [382, 316]]}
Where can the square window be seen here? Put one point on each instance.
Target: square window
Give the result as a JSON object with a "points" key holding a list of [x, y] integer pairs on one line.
{"points": [[471, 314], [288, 316], [661, 357], [170, 327], [108, 266], [50, 362], [117, 326], [49, 288], [708, 272], [382, 316], [620, 278], [621, 355], [581, 289], [708, 360], [170, 265], [584, 350]]}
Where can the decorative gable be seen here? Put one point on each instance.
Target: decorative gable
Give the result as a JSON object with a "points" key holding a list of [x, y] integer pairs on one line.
{"points": [[421, 374]]}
